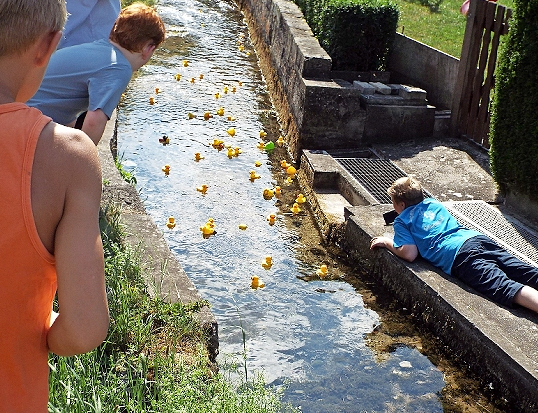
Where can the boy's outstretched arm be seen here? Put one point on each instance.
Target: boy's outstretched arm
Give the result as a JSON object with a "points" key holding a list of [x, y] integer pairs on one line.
{"points": [[83, 318], [408, 252]]}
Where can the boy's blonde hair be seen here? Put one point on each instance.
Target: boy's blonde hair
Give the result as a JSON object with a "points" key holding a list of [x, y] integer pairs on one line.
{"points": [[407, 190], [23, 21], [136, 25]]}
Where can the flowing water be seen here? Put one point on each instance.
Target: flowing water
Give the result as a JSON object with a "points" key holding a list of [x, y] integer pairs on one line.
{"points": [[300, 331]]}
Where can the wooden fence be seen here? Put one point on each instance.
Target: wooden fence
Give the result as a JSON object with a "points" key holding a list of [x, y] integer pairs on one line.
{"points": [[486, 22]]}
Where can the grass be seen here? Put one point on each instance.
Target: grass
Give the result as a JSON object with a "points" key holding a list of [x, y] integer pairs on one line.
{"points": [[154, 358], [442, 29]]}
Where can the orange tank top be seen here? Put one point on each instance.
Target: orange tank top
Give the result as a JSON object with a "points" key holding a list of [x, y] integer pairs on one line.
{"points": [[27, 272]]}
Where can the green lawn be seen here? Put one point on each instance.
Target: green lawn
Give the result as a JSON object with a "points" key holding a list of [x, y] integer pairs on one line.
{"points": [[442, 30]]}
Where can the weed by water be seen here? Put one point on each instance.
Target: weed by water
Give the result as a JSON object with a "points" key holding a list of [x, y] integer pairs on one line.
{"points": [[154, 358]]}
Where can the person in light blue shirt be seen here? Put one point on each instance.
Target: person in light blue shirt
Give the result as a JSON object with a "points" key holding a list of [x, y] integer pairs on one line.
{"points": [[91, 77], [425, 227], [88, 20]]}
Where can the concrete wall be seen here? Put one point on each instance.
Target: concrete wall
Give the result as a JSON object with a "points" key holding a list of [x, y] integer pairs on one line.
{"points": [[415, 63]]}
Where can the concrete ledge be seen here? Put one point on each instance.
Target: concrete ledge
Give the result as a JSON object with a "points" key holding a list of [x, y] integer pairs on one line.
{"points": [[166, 278], [499, 344]]}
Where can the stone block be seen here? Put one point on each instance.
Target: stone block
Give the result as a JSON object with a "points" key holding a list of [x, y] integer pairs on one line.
{"points": [[412, 92], [364, 87], [381, 88]]}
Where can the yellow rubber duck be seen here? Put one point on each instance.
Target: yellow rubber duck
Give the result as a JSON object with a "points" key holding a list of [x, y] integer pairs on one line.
{"points": [[295, 208], [271, 219], [177, 76], [291, 171], [257, 164], [278, 192], [191, 115], [165, 140], [201, 76], [218, 144], [268, 263], [202, 189], [242, 227], [220, 111], [152, 100], [255, 282], [284, 164], [231, 152], [225, 90], [193, 80], [263, 134], [261, 145], [240, 83], [171, 223], [234, 89], [253, 175], [207, 115], [280, 141], [198, 156], [289, 180], [166, 169], [157, 90], [301, 199], [323, 271], [268, 193], [217, 95], [247, 53], [207, 230], [237, 151], [241, 47], [230, 118], [231, 131], [185, 63], [210, 222]]}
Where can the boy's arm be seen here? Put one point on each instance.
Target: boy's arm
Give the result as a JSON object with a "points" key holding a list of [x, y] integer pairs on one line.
{"points": [[94, 124], [408, 251], [82, 322]]}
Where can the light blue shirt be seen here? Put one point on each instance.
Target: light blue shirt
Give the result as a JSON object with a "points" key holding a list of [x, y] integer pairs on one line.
{"points": [[436, 233], [84, 77], [88, 20]]}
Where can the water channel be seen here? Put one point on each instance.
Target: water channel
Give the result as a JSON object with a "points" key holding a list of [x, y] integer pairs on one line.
{"points": [[301, 331]]}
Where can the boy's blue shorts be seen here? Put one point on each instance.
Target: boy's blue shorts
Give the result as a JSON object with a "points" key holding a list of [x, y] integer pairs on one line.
{"points": [[491, 270]]}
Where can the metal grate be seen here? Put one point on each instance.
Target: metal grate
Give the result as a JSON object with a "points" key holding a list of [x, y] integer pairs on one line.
{"points": [[375, 175], [510, 233]]}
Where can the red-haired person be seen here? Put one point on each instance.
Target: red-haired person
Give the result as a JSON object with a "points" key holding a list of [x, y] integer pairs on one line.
{"points": [[91, 77]]}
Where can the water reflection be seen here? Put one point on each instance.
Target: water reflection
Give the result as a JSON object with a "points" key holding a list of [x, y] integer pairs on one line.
{"points": [[308, 333]]}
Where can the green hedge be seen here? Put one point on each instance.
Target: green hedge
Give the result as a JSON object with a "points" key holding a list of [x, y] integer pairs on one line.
{"points": [[357, 34], [514, 122]]}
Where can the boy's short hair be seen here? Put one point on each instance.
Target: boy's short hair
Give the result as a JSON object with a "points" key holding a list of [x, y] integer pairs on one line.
{"points": [[23, 21], [135, 25], [407, 190]]}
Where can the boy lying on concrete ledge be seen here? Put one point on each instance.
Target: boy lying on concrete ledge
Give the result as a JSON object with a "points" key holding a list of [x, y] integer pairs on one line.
{"points": [[425, 227]]}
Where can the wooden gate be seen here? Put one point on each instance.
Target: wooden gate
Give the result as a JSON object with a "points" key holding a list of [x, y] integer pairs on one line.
{"points": [[486, 22]]}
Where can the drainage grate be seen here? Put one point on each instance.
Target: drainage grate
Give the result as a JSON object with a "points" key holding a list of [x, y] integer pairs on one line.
{"points": [[508, 232], [375, 175]]}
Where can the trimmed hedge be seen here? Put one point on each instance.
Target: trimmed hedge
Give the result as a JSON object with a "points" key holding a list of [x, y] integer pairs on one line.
{"points": [[357, 34], [514, 122]]}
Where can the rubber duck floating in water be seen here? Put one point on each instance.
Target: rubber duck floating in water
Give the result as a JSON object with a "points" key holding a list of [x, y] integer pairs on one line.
{"points": [[231, 131], [185, 63], [202, 189], [165, 140], [268, 193], [209, 228], [201, 76], [257, 164], [301, 199], [166, 169], [253, 176], [218, 144], [231, 152], [177, 76], [171, 223], [271, 219], [157, 90], [278, 192], [207, 115], [193, 80], [323, 271], [217, 95], [263, 134], [261, 145], [152, 100], [243, 227], [234, 89], [295, 208], [280, 141], [230, 118], [267, 263], [198, 157], [225, 90], [191, 115], [220, 111], [255, 282], [237, 151]]}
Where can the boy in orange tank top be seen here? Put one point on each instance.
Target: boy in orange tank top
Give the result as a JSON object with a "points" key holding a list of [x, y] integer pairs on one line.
{"points": [[49, 207]]}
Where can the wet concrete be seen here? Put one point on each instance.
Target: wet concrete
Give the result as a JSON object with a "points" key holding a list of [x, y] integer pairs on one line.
{"points": [[497, 343]]}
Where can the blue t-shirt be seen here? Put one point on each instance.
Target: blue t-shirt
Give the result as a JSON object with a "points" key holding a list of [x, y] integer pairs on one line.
{"points": [[84, 77], [88, 20], [437, 234]]}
